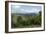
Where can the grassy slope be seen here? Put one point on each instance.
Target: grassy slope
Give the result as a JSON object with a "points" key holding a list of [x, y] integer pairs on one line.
{"points": [[26, 21]]}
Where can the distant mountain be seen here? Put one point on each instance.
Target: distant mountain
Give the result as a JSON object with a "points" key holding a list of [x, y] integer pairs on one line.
{"points": [[27, 14]]}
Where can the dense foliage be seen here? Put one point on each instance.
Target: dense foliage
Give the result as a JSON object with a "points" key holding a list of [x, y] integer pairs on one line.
{"points": [[26, 21]]}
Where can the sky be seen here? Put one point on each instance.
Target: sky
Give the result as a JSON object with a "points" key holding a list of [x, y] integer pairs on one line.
{"points": [[25, 9]]}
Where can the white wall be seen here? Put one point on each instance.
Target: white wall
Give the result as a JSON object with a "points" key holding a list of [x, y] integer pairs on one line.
{"points": [[2, 17], [28, 0]]}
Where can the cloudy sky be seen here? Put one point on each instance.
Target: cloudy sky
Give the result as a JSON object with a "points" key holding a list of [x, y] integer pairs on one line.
{"points": [[25, 9]]}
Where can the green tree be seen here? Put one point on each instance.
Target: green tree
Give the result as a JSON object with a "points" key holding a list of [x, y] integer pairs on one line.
{"points": [[39, 13]]}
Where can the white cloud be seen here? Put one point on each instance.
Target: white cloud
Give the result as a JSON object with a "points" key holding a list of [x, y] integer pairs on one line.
{"points": [[17, 6], [22, 10], [25, 11], [35, 10]]}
